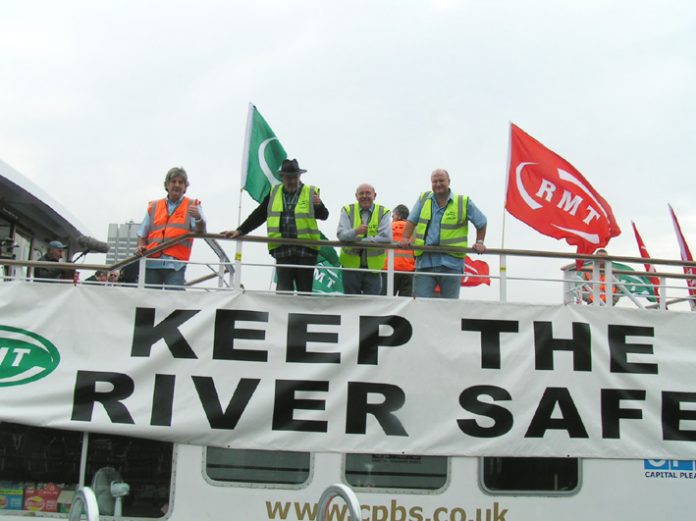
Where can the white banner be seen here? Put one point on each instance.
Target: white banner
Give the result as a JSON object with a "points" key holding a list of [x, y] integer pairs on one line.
{"points": [[378, 375]]}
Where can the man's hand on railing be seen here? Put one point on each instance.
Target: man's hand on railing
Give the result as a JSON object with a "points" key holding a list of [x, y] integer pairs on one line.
{"points": [[231, 234], [478, 246]]}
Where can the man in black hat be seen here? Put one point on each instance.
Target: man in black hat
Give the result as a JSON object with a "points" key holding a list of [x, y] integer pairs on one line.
{"points": [[290, 211], [54, 253]]}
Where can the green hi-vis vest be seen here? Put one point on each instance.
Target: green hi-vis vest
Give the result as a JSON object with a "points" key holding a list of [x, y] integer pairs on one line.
{"points": [[350, 255], [453, 227], [304, 215]]}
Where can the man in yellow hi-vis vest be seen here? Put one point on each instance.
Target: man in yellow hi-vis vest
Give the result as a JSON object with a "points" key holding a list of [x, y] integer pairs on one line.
{"points": [[363, 222], [440, 218], [290, 211]]}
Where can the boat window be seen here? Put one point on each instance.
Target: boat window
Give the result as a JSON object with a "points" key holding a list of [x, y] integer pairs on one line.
{"points": [[146, 465], [257, 466], [548, 475], [40, 469], [396, 471]]}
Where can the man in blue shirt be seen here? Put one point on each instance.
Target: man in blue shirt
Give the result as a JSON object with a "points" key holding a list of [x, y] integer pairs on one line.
{"points": [[436, 268]]}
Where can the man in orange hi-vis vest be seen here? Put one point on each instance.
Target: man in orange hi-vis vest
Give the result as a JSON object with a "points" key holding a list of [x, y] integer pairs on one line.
{"points": [[587, 289], [166, 219], [404, 261]]}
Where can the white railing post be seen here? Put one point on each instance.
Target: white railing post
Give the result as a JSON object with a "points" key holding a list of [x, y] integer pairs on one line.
{"points": [[221, 275], [596, 290], [344, 491], [390, 272], [663, 294], [141, 272], [609, 285], [503, 279], [237, 276]]}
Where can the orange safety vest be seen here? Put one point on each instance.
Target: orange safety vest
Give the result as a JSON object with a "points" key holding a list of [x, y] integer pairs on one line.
{"points": [[602, 287], [165, 227], [403, 259]]}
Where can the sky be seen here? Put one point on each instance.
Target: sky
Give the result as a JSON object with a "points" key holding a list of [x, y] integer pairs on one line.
{"points": [[99, 99]]}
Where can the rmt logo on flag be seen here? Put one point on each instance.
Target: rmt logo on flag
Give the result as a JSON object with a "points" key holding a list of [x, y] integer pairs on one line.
{"points": [[550, 195]]}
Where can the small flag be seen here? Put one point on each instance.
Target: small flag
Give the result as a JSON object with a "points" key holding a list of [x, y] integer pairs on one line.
{"points": [[628, 282], [635, 284], [327, 280], [263, 156], [549, 194], [648, 267], [685, 256], [476, 272]]}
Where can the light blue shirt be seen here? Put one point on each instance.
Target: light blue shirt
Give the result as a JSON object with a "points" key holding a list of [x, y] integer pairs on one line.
{"points": [[432, 236], [165, 262]]}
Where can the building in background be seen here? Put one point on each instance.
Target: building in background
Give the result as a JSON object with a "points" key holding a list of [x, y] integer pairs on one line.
{"points": [[122, 240]]}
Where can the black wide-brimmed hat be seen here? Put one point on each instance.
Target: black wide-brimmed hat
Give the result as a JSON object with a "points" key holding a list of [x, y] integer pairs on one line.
{"points": [[290, 167]]}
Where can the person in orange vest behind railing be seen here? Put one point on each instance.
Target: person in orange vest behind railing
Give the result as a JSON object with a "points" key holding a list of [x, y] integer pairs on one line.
{"points": [[588, 289], [404, 260], [166, 219]]}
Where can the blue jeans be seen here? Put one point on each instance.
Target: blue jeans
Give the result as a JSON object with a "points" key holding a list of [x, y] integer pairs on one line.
{"points": [[426, 279], [158, 277], [362, 283]]}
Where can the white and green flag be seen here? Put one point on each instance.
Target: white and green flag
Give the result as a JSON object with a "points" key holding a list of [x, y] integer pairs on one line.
{"points": [[263, 155]]}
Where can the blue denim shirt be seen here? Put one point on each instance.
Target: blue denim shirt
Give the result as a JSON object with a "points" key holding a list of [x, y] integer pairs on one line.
{"points": [[432, 237]]}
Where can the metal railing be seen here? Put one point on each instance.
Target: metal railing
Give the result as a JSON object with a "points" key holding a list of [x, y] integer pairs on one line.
{"points": [[225, 278]]}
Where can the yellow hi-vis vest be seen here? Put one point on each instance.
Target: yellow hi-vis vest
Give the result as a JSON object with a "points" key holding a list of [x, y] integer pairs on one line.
{"points": [[304, 215], [350, 255], [453, 227]]}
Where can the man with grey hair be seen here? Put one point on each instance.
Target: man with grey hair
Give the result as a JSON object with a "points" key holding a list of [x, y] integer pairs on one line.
{"points": [[440, 218], [363, 222], [166, 219]]}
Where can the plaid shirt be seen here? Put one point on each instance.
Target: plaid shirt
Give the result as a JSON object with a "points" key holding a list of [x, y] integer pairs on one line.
{"points": [[288, 229]]}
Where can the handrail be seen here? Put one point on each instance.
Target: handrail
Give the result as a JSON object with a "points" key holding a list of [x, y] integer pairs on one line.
{"points": [[503, 276], [389, 246], [85, 501], [451, 249], [338, 490]]}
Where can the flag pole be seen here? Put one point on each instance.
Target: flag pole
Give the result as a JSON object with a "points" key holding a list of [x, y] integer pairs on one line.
{"points": [[503, 260], [245, 164]]}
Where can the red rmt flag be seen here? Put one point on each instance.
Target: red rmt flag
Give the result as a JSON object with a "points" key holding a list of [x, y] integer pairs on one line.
{"points": [[546, 192]]}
